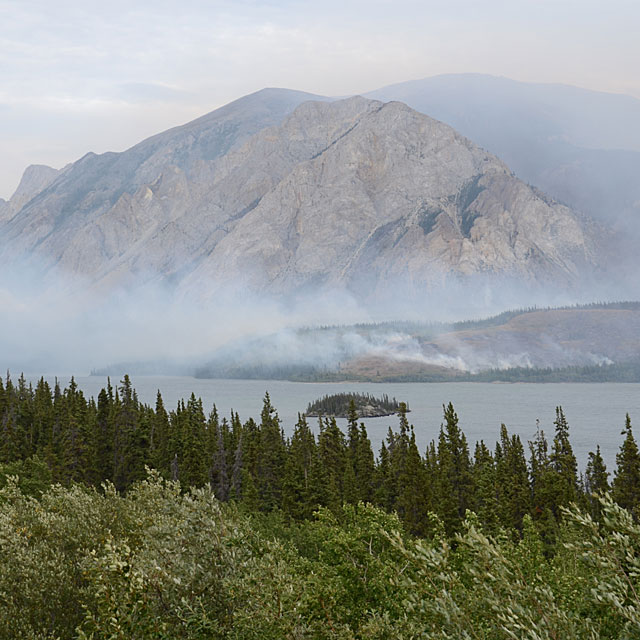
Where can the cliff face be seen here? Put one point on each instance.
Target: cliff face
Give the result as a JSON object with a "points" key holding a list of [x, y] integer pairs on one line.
{"points": [[354, 194], [35, 179], [397, 195], [581, 147]]}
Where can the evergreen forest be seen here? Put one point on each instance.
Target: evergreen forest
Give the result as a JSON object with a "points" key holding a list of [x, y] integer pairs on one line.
{"points": [[122, 520], [340, 404]]}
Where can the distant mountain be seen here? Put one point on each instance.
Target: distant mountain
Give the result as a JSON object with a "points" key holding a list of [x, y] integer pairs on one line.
{"points": [[283, 194], [581, 147], [35, 179], [97, 215]]}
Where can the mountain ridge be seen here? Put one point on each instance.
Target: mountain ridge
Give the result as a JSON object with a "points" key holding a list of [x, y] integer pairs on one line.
{"points": [[580, 146], [284, 194]]}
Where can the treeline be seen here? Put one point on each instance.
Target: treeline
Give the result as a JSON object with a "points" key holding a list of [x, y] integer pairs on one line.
{"points": [[54, 435], [615, 372], [339, 404]]}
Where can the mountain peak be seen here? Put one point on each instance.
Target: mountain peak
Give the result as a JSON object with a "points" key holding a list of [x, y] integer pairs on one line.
{"points": [[281, 194]]}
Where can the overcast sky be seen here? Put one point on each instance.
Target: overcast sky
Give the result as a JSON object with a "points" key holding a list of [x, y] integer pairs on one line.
{"points": [[83, 75]]}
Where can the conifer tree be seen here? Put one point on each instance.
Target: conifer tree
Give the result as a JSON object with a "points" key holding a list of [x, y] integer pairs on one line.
{"points": [[219, 471], [333, 455], [193, 469], [42, 415], [76, 460], [237, 471], [382, 493], [398, 447], [454, 482], [413, 500], [512, 481], [9, 436], [596, 481], [543, 487], [351, 490], [125, 419], [365, 466], [177, 430], [251, 447], [159, 437], [271, 457], [299, 497], [486, 491], [626, 480], [563, 462], [353, 432], [104, 437]]}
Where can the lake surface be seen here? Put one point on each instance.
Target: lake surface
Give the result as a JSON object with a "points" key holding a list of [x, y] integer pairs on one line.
{"points": [[595, 412]]}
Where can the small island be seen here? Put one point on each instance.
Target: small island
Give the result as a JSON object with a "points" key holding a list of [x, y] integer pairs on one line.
{"points": [[366, 405]]}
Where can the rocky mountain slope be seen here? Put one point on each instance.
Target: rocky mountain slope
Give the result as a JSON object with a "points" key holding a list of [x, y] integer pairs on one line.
{"points": [[35, 179], [581, 147], [283, 194], [98, 207]]}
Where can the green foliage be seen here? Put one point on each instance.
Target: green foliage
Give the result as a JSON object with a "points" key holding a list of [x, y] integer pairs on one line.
{"points": [[159, 562], [626, 482], [241, 533], [32, 474], [339, 405]]}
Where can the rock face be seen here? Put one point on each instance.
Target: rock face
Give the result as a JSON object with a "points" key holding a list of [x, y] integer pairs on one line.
{"points": [[35, 179], [99, 213], [581, 147], [356, 194]]}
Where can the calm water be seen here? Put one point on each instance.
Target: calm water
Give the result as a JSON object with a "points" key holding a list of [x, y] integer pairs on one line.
{"points": [[595, 412]]}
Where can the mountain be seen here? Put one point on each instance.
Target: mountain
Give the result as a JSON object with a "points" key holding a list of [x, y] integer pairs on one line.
{"points": [[581, 147], [98, 209], [392, 197], [283, 194], [35, 179]]}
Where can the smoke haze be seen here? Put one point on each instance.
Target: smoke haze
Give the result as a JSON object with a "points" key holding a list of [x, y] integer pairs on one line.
{"points": [[62, 325]]}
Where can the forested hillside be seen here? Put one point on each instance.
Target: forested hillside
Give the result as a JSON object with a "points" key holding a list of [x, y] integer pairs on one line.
{"points": [[307, 536]]}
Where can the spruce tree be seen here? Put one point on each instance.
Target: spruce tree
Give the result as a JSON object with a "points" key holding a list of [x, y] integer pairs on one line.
{"points": [[413, 499], [486, 491], [333, 456], [455, 483], [295, 489], [382, 493], [159, 455], [105, 434], [596, 481], [626, 480], [237, 471], [512, 481], [271, 458], [219, 478], [365, 466], [563, 462], [193, 467], [543, 488]]}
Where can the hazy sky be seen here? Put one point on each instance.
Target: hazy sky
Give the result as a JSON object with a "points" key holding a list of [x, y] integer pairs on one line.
{"points": [[82, 75]]}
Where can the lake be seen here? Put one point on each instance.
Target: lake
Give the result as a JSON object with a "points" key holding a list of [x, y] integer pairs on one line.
{"points": [[595, 412]]}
